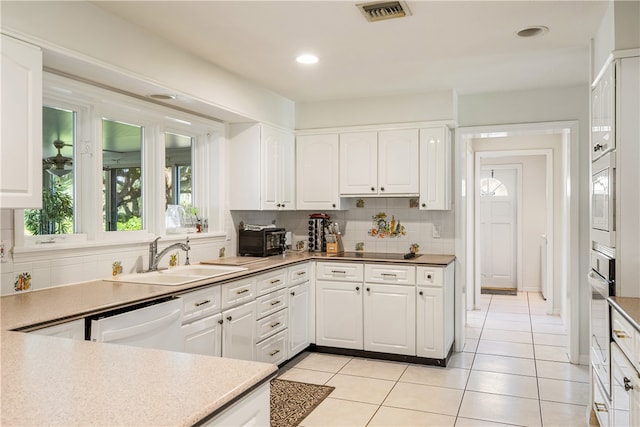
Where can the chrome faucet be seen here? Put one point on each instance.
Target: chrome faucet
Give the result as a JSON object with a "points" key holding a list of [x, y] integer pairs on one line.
{"points": [[155, 257]]}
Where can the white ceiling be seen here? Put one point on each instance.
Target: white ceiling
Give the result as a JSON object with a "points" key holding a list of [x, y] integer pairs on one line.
{"points": [[470, 46]]}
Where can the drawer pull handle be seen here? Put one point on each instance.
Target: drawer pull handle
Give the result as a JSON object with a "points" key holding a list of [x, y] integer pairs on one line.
{"points": [[627, 386], [338, 272], [293, 294], [276, 302], [229, 318], [242, 291], [220, 321], [275, 324], [301, 273], [600, 407], [275, 281], [198, 304], [388, 274], [274, 352], [620, 334]]}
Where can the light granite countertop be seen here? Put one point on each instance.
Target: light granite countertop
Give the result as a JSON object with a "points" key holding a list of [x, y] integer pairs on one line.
{"points": [[629, 308], [60, 381]]}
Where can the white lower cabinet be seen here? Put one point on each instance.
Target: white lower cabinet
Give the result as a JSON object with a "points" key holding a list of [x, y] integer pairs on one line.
{"points": [[625, 390], [273, 349], [204, 336], [73, 330], [300, 318], [239, 332], [389, 318], [252, 410], [339, 314], [429, 314]]}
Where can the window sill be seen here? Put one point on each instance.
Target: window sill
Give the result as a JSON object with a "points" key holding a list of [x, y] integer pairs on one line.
{"points": [[59, 250]]}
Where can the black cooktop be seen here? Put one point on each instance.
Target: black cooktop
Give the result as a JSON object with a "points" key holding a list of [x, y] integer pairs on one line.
{"points": [[370, 255]]}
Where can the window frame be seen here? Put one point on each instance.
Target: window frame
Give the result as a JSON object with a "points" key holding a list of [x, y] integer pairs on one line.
{"points": [[92, 104]]}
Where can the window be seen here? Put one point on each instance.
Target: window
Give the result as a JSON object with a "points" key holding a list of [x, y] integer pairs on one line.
{"points": [[178, 169], [492, 187], [122, 176], [58, 142]]}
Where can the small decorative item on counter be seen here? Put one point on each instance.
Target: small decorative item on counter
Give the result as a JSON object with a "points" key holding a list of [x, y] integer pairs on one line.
{"points": [[414, 248], [23, 282], [383, 228], [300, 245], [116, 268], [221, 252], [413, 203], [360, 203], [360, 247], [173, 260]]}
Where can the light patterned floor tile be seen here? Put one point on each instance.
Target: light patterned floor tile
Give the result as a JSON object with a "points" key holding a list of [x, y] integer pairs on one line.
{"points": [[500, 348], [507, 325], [508, 317], [436, 376], [359, 389], [559, 414], [426, 398], [556, 354], [507, 384], [460, 360], [562, 371], [546, 328], [468, 422], [507, 336], [374, 369], [323, 362], [550, 339], [387, 416], [564, 391], [546, 319], [306, 376], [501, 409], [504, 364], [336, 412], [474, 333], [470, 345]]}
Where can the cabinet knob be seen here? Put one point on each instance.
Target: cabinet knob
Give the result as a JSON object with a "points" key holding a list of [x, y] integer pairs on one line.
{"points": [[420, 293], [357, 288], [333, 205], [381, 188], [597, 148], [229, 318], [368, 289], [293, 293], [428, 276], [373, 189], [220, 321], [424, 205], [283, 205]]}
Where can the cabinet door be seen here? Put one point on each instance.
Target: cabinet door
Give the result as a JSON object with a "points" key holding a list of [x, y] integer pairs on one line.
{"points": [[21, 118], [239, 332], [273, 349], [204, 336], [317, 172], [622, 387], [278, 169], [299, 318], [389, 318], [359, 163], [339, 314], [429, 323], [398, 162], [435, 168], [287, 165]]}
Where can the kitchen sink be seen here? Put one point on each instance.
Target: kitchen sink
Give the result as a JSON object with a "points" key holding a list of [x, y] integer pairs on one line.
{"points": [[178, 275]]}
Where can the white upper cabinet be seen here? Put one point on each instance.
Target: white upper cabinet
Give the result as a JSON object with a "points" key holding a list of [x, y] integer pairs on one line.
{"points": [[435, 168], [381, 163], [317, 172], [603, 113], [261, 168], [21, 143]]}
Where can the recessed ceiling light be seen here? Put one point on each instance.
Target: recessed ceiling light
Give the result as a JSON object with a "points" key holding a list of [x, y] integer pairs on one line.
{"points": [[307, 59], [533, 31], [162, 96]]}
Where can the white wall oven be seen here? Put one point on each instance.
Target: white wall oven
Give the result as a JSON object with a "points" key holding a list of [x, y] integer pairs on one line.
{"points": [[603, 202]]}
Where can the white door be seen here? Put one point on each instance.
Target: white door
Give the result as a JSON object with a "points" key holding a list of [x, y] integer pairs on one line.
{"points": [[239, 332], [498, 203], [339, 314], [299, 318], [389, 318]]}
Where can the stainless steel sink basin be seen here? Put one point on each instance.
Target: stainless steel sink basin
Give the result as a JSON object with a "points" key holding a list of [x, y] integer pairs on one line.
{"points": [[178, 275]]}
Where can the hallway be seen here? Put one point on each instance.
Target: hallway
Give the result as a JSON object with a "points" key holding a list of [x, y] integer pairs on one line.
{"points": [[513, 371]]}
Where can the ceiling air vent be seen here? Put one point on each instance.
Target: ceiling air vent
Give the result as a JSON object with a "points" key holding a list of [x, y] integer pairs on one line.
{"points": [[378, 11]]}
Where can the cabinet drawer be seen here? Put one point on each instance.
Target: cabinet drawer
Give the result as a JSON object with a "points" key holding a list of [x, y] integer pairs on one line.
{"points": [[238, 292], [600, 403], [430, 276], [271, 324], [271, 303], [271, 281], [201, 303], [299, 274], [273, 350], [623, 333], [385, 273], [340, 271]]}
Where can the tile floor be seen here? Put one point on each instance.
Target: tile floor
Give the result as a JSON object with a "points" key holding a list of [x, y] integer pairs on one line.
{"points": [[513, 371]]}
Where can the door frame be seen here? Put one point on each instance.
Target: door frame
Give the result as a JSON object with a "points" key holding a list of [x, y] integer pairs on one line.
{"points": [[567, 238], [479, 155]]}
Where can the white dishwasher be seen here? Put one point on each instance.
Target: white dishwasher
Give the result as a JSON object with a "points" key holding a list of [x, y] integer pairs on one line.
{"points": [[153, 325]]}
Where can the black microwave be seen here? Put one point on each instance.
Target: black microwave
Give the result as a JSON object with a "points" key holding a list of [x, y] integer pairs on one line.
{"points": [[265, 242]]}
